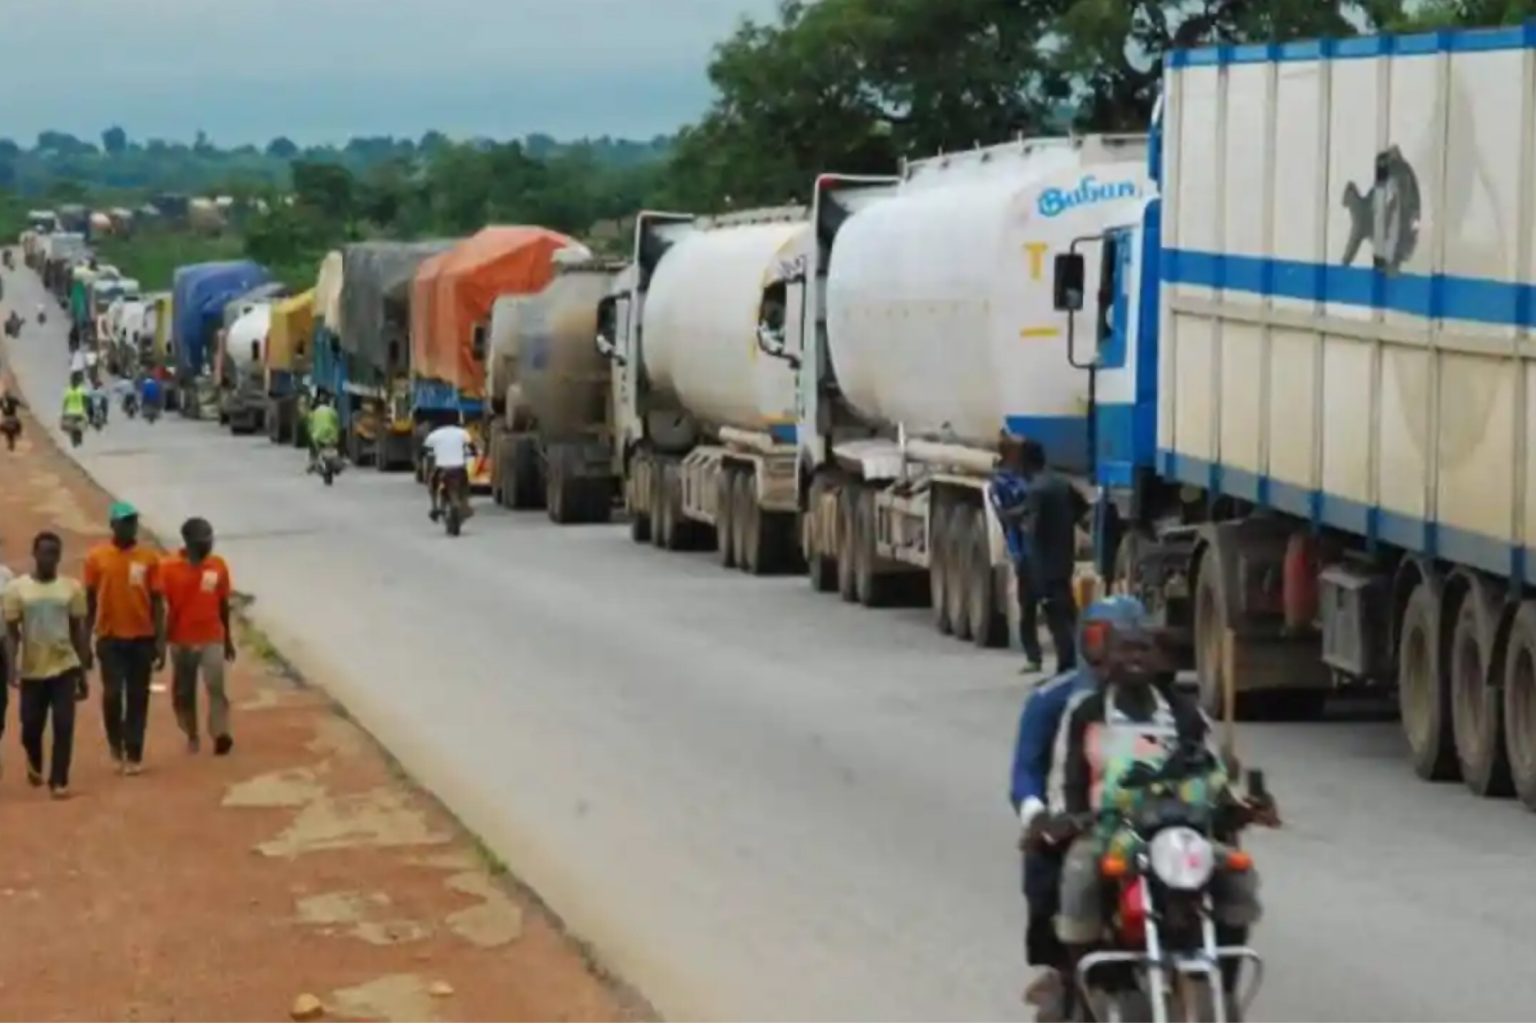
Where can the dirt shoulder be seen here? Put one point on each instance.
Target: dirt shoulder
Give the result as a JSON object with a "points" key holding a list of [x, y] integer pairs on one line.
{"points": [[221, 889]]}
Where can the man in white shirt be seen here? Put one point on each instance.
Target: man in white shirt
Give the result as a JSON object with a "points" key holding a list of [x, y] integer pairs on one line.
{"points": [[450, 448], [77, 361]]}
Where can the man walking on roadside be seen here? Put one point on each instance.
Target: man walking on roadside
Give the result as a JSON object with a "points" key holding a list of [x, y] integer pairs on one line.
{"points": [[46, 642], [126, 616], [195, 586], [6, 576]]}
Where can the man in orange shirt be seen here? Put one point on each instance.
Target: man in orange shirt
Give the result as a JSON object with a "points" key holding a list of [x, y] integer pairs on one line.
{"points": [[125, 614], [195, 585]]}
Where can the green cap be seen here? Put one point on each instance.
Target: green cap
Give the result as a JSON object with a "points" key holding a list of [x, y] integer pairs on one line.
{"points": [[121, 511]]}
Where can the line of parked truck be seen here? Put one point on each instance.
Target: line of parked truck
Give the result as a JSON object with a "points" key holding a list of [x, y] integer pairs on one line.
{"points": [[1282, 340]]}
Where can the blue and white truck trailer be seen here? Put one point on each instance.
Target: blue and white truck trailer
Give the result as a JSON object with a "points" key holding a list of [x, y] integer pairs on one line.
{"points": [[1315, 389]]}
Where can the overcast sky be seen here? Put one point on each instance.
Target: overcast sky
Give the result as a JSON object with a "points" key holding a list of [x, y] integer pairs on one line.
{"points": [[325, 70]]}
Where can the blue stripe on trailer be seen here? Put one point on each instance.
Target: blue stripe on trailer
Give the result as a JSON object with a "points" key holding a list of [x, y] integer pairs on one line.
{"points": [[1375, 524], [1517, 37], [1433, 296]]}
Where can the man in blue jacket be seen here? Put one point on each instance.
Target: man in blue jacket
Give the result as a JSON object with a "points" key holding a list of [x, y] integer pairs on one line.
{"points": [[1031, 785]]}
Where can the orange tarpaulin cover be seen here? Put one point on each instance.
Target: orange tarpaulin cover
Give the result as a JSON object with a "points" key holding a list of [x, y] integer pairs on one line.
{"points": [[455, 290]]}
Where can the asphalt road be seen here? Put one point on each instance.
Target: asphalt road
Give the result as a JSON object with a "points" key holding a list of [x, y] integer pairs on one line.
{"points": [[756, 802]]}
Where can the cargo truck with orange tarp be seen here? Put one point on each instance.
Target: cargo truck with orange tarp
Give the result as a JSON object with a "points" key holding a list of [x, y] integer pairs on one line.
{"points": [[451, 300]]}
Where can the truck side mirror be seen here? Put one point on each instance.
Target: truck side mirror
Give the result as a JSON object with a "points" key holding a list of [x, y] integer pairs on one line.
{"points": [[1070, 280]]}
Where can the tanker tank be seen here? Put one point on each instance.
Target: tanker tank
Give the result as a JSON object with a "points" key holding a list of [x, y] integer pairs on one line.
{"points": [[551, 394], [942, 335], [705, 346]]}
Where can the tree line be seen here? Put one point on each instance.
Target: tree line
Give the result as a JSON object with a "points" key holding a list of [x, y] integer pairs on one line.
{"points": [[847, 85]]}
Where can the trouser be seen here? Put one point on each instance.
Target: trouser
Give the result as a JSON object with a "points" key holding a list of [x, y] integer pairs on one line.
{"points": [[1029, 624], [1080, 922], [1042, 893], [5, 690], [187, 662], [126, 665], [454, 484], [39, 698], [1060, 619]]}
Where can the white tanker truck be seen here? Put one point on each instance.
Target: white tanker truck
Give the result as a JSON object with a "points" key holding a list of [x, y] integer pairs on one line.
{"points": [[706, 418], [931, 329], [551, 396]]}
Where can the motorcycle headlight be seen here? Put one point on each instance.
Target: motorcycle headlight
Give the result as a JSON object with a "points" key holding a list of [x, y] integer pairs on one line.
{"points": [[1182, 858]]}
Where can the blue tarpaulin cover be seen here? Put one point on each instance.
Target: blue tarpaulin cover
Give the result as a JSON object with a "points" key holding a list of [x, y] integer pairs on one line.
{"points": [[199, 293]]}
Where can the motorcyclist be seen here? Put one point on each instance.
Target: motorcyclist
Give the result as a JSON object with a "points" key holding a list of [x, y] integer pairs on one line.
{"points": [[77, 402], [100, 402], [324, 428], [1134, 717], [450, 448], [1039, 723], [150, 395]]}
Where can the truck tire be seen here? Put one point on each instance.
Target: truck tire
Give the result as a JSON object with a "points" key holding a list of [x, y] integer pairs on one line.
{"points": [[674, 533], [938, 565], [1423, 693], [558, 500], [1520, 703], [989, 623], [597, 500], [874, 589], [957, 573], [725, 517], [1477, 714], [527, 485], [1210, 634], [821, 571], [754, 539], [847, 578]]}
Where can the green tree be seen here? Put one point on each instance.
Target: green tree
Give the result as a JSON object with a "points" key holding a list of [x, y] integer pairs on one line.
{"points": [[282, 148], [114, 140]]}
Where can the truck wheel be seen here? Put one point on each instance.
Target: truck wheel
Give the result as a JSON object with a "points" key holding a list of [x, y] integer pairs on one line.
{"points": [[874, 588], [597, 501], [555, 496], [847, 582], [1477, 714], [527, 487], [1422, 692], [938, 566], [754, 538], [957, 573], [741, 522], [1520, 703], [821, 570], [725, 517], [1210, 635], [989, 624], [673, 532]]}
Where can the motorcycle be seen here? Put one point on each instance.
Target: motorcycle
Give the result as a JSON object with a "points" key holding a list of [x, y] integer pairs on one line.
{"points": [[131, 404], [151, 412], [329, 464], [74, 426], [452, 500], [10, 426], [1162, 960], [42, 317], [98, 414]]}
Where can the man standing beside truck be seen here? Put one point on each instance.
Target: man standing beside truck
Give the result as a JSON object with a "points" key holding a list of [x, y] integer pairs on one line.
{"points": [[1009, 494], [1053, 509]]}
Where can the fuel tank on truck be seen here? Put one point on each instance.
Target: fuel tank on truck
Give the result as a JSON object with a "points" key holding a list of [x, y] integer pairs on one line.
{"points": [[544, 357], [940, 314], [702, 312]]}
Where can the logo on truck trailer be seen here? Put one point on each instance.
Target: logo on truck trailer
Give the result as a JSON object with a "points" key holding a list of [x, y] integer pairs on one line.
{"points": [[1056, 201]]}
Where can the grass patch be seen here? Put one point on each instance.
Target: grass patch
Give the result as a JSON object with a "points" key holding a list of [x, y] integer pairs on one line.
{"points": [[152, 255]]}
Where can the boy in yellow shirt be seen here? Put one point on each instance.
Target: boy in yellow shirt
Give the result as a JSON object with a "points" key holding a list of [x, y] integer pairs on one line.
{"points": [[46, 645]]}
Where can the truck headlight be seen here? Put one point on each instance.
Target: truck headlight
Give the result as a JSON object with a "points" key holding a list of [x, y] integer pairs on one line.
{"points": [[1182, 858]]}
